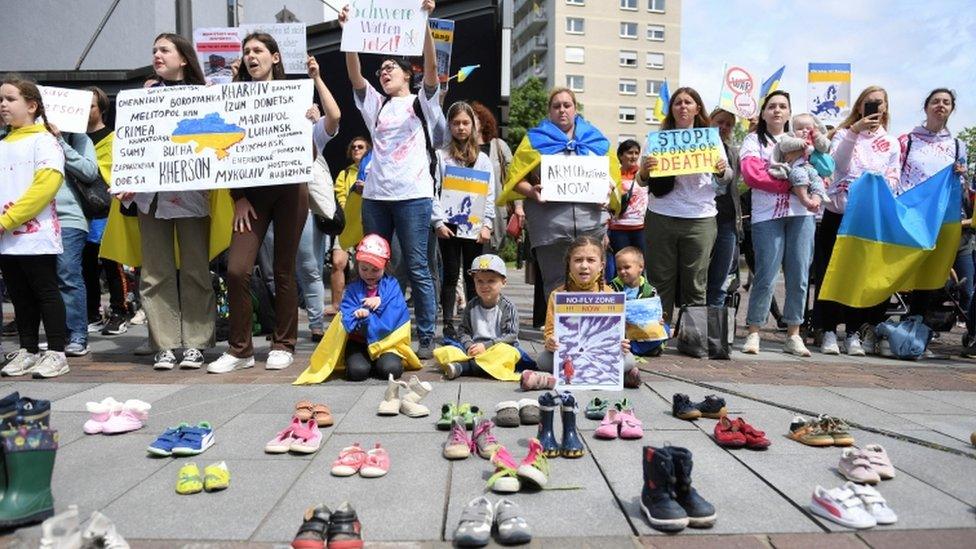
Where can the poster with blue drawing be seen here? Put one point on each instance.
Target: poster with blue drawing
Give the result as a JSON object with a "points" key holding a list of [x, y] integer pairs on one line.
{"points": [[463, 195], [829, 91], [645, 320], [589, 327]]}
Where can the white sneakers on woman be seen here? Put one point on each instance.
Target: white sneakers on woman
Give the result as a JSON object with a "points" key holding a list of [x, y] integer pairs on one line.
{"points": [[794, 345], [829, 345], [751, 346]]}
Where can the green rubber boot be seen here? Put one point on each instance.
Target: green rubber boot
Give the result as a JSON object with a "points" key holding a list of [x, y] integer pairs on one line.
{"points": [[29, 463]]}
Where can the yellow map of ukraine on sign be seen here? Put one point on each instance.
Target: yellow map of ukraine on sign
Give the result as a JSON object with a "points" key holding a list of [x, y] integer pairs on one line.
{"points": [[209, 132], [679, 152]]}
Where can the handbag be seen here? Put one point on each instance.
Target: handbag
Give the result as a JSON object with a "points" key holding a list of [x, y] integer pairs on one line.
{"points": [[93, 199], [703, 331], [514, 228], [331, 226], [323, 201]]}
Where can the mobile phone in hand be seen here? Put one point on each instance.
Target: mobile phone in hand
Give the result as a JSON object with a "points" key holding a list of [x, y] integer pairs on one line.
{"points": [[871, 107]]}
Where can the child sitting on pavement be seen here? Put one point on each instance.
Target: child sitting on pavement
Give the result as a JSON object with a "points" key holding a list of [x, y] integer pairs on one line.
{"points": [[487, 339], [802, 156], [630, 280]]}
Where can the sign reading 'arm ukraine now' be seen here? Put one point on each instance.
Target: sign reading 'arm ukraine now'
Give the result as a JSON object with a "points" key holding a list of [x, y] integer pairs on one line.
{"points": [[679, 152]]}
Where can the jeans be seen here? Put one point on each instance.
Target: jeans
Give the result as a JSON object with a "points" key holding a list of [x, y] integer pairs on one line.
{"points": [[72, 284], [786, 242], [309, 266], [411, 220], [723, 259]]}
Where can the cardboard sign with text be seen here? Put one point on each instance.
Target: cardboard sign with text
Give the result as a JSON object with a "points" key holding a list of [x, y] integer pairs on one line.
{"points": [[679, 152], [589, 327], [573, 178], [218, 47], [463, 195], [387, 27], [66, 108]]}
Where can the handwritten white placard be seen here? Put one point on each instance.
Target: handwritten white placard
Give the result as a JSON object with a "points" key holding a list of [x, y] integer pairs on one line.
{"points": [[389, 27], [66, 108], [584, 179]]}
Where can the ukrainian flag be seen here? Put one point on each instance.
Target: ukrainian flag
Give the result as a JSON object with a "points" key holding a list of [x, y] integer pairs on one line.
{"points": [[662, 103], [771, 84], [888, 244]]}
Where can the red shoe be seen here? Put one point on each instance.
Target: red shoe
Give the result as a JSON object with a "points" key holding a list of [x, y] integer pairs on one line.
{"points": [[755, 439], [727, 434]]}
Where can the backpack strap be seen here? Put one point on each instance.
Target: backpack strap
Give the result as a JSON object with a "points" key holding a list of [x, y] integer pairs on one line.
{"points": [[431, 156], [908, 149]]}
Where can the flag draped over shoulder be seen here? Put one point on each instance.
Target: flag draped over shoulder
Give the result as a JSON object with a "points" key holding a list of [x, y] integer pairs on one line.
{"points": [[888, 244], [547, 138], [387, 331]]}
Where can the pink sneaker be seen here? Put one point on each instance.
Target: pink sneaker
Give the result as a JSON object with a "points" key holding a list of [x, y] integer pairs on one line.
{"points": [[307, 439], [505, 480], [281, 443], [377, 463], [609, 425], [100, 413], [132, 417], [631, 428], [349, 462]]}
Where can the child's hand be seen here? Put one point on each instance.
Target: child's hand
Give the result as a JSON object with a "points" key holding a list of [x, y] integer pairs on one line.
{"points": [[361, 313], [625, 345], [476, 349], [372, 303], [551, 344]]}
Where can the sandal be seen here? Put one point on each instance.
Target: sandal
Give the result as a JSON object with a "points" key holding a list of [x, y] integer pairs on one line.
{"points": [[304, 410], [322, 415]]}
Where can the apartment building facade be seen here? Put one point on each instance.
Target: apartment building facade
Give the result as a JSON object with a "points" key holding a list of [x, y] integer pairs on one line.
{"points": [[615, 54]]}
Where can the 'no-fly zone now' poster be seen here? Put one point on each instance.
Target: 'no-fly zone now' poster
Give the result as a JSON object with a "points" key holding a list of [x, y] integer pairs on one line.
{"points": [[588, 331]]}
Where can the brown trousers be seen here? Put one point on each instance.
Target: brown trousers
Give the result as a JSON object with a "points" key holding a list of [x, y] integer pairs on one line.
{"points": [[287, 207]]}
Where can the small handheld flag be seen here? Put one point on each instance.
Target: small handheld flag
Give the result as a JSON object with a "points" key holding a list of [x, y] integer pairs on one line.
{"points": [[463, 73], [771, 84]]}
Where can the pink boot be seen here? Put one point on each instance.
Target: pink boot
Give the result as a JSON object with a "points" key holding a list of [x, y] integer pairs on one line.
{"points": [[100, 413], [631, 428], [132, 417]]}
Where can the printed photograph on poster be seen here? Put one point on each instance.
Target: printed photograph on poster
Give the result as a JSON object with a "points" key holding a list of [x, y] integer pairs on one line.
{"points": [[463, 195], [386, 27], [589, 327], [679, 152], [829, 91], [212, 137], [739, 92], [645, 320], [217, 49], [572, 178], [442, 31], [66, 108]]}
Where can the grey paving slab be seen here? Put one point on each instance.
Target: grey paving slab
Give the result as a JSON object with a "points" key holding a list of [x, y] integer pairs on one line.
{"points": [[69, 426], [119, 391], [362, 418], [958, 427], [894, 400], [734, 491], [406, 505], [962, 399], [216, 404], [244, 437], [232, 514], [48, 390], [281, 399]]}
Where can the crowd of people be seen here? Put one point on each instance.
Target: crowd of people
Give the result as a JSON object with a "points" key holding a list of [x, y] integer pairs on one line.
{"points": [[679, 237]]}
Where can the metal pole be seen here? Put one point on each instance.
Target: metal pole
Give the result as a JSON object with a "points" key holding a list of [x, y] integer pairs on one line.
{"points": [[98, 31], [231, 13], [184, 19], [508, 18]]}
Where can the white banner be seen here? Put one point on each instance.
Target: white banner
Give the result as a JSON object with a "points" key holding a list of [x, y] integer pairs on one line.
{"points": [[575, 178], [66, 108], [389, 27], [245, 134], [218, 47], [291, 41]]}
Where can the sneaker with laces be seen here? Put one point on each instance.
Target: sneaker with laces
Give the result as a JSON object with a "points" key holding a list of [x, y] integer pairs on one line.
{"points": [[682, 407], [505, 480], [194, 440], [458, 445], [809, 432], [192, 359], [794, 346], [484, 441], [116, 325], [841, 505], [853, 344], [139, 317], [873, 503], [751, 345], [855, 466], [870, 341], [425, 349], [165, 360], [279, 359], [474, 526], [51, 364], [76, 348], [829, 344], [228, 363], [535, 467], [837, 429], [21, 362]]}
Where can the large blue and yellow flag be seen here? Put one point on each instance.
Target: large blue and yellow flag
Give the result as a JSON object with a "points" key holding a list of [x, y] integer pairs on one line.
{"points": [[888, 244], [662, 103]]}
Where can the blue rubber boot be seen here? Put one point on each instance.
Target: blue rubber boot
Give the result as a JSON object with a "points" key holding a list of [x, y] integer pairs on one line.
{"points": [[548, 402], [572, 446]]}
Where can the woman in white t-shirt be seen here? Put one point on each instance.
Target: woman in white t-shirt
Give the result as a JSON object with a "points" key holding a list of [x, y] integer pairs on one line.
{"points": [[680, 224], [399, 188]]}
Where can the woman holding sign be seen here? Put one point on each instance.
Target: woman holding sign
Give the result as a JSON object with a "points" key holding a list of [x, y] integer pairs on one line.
{"points": [[554, 225], [680, 224]]}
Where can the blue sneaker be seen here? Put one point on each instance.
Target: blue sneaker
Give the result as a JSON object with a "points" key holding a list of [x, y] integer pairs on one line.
{"points": [[163, 445], [194, 440]]}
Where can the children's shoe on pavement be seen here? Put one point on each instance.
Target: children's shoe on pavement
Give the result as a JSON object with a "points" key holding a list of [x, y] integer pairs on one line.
{"points": [[306, 439], [410, 405], [658, 492], [794, 346], [701, 514], [879, 461], [533, 380], [279, 359], [507, 414], [51, 364], [322, 415], [164, 360], [631, 428], [727, 434], [216, 477], [101, 532], [841, 505], [458, 445], [484, 440], [632, 378], [100, 413], [809, 432], [349, 462], [855, 466], [20, 363], [596, 409], [512, 527], [131, 417], [528, 411], [192, 359], [873, 503], [453, 370], [227, 363], [314, 529], [470, 413], [755, 439], [548, 404], [345, 531], [535, 467], [829, 344], [751, 344], [474, 526], [448, 411], [377, 463], [188, 480], [505, 480], [390, 405], [194, 440], [837, 429], [683, 408], [571, 445], [712, 407], [281, 442], [164, 443], [609, 426]]}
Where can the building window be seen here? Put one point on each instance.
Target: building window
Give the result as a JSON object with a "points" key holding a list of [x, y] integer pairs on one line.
{"points": [[628, 5], [575, 54], [655, 5], [649, 115], [654, 87], [627, 86], [628, 30], [655, 60], [574, 25], [628, 58], [627, 115], [655, 32], [574, 82], [580, 2]]}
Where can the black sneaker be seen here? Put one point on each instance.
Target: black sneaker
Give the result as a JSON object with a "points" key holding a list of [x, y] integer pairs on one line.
{"points": [[969, 351], [165, 360], [345, 531], [682, 408], [10, 328], [712, 407], [192, 359], [116, 325]]}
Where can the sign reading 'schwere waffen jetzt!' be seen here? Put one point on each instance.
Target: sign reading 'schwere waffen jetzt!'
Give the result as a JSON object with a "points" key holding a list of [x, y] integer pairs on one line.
{"points": [[393, 27], [584, 179], [245, 134], [679, 152]]}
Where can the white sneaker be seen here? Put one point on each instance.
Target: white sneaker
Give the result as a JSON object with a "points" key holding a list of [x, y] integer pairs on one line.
{"points": [[278, 360], [51, 364], [21, 362], [138, 318], [884, 349], [794, 346], [829, 345], [165, 360], [873, 503], [228, 363], [853, 344], [751, 346], [842, 506]]}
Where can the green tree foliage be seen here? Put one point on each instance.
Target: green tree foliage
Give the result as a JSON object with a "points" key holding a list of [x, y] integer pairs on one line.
{"points": [[968, 136], [528, 107]]}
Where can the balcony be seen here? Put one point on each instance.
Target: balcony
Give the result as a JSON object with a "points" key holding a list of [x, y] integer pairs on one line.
{"points": [[532, 23], [540, 71], [536, 46]]}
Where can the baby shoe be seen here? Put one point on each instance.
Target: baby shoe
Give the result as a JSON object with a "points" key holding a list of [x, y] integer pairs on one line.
{"points": [[505, 480], [529, 411], [216, 477], [349, 462], [410, 405], [507, 414], [100, 413], [281, 442], [306, 439], [377, 463], [609, 426], [188, 480], [631, 428], [132, 417]]}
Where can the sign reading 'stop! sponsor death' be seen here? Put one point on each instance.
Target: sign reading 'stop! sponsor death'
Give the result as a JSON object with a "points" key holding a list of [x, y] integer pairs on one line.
{"points": [[679, 152], [184, 138], [392, 27]]}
